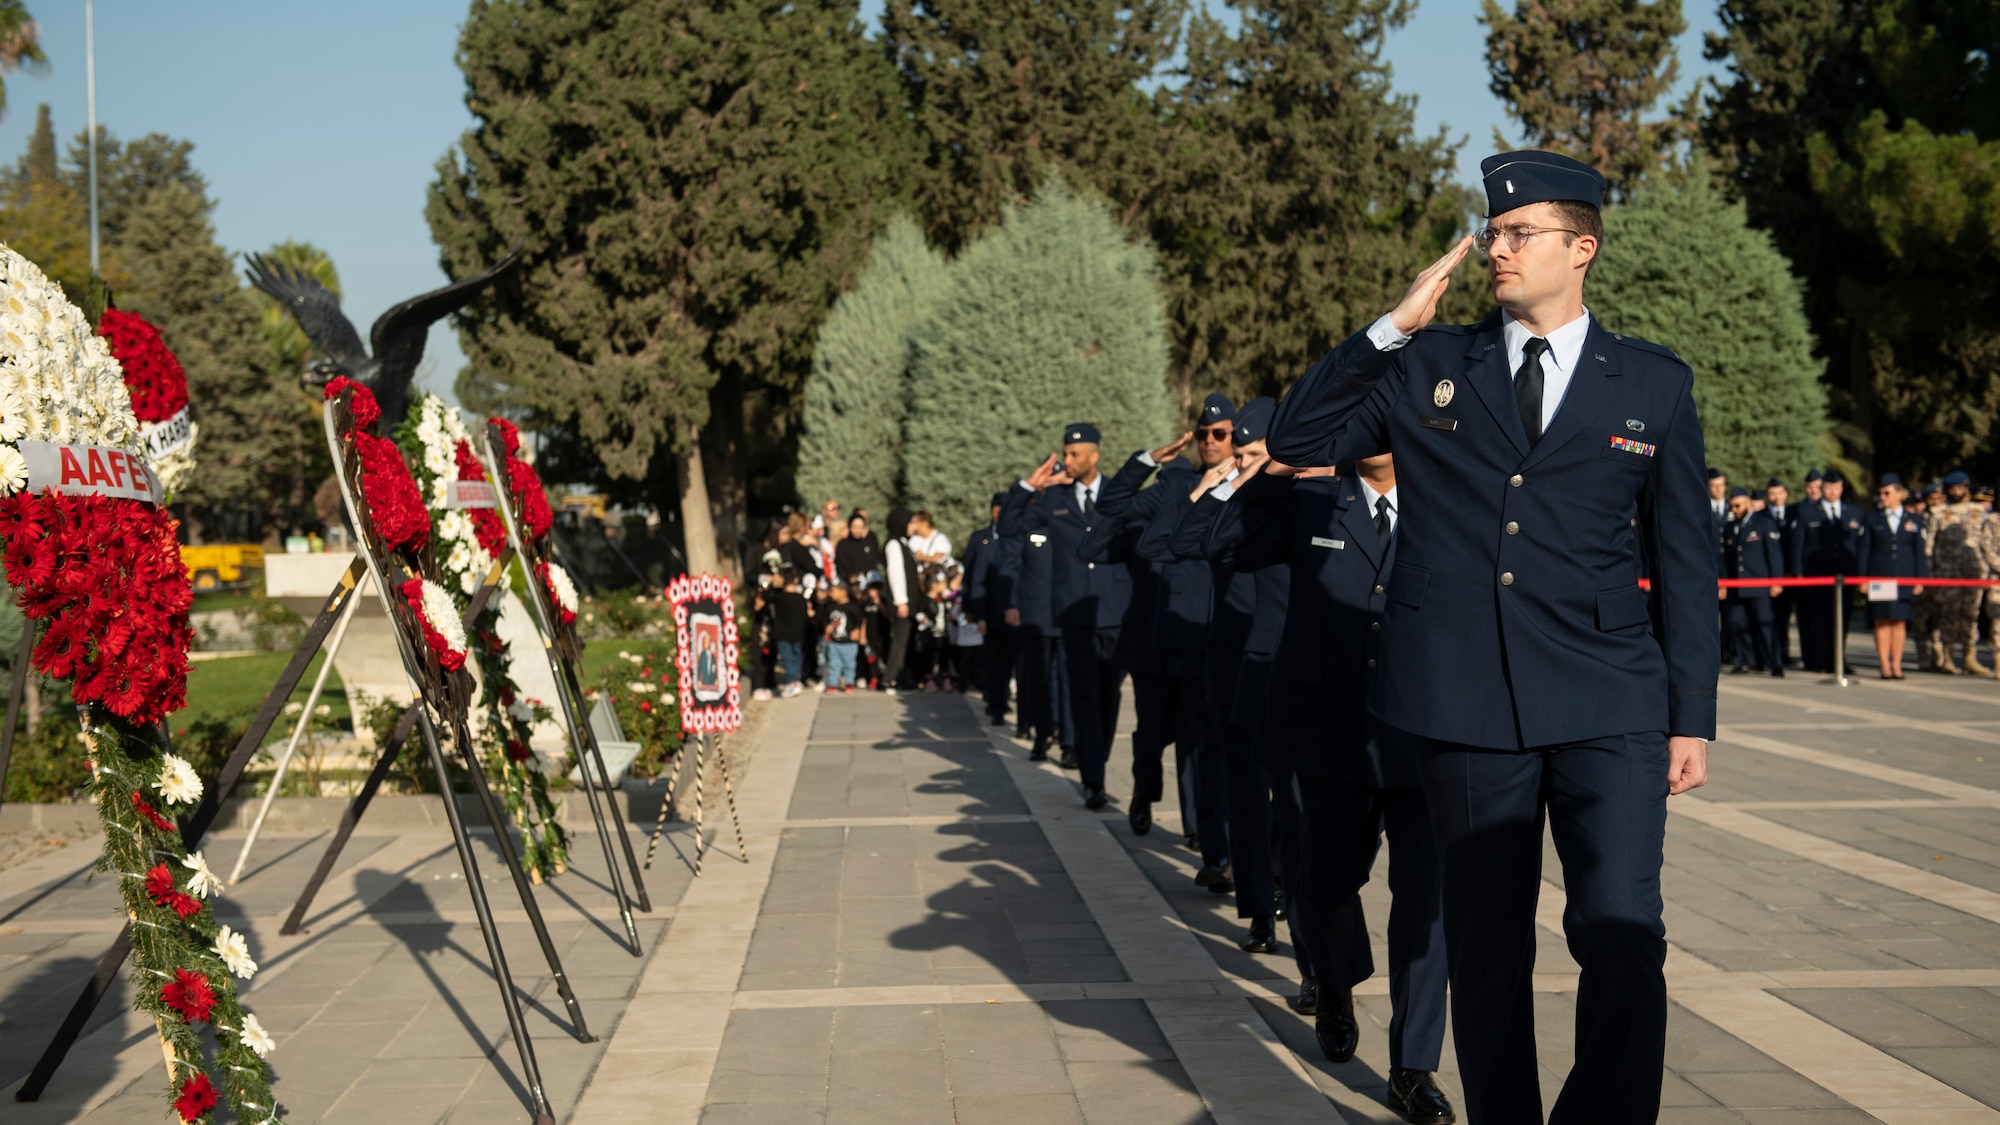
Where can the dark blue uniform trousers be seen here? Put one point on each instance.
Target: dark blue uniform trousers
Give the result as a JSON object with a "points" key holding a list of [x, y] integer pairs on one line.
{"points": [[1248, 791], [1287, 825], [1096, 685], [997, 669], [1341, 831], [1200, 760], [1153, 707], [1034, 675], [1605, 802]]}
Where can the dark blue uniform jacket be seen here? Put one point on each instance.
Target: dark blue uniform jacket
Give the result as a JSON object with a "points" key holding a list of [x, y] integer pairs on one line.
{"points": [[1029, 575], [1894, 552], [1515, 618], [1753, 548], [1087, 595]]}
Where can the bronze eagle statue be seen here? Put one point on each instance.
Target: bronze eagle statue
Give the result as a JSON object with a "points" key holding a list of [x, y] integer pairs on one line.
{"points": [[398, 337]]}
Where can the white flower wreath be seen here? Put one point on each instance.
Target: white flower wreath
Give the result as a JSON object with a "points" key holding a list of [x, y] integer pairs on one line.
{"points": [[439, 430], [442, 613], [60, 382], [562, 587]]}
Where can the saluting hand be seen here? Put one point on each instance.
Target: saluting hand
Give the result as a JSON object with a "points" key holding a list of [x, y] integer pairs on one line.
{"points": [[1419, 306], [1211, 478], [1046, 474], [1172, 449]]}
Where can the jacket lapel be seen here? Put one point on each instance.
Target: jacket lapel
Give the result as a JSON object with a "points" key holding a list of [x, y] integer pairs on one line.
{"points": [[1359, 521], [1590, 390], [1486, 370]]}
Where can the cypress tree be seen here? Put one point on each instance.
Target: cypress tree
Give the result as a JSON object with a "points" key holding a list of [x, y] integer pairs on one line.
{"points": [[1301, 199], [1580, 76], [1002, 91], [851, 447], [693, 184], [1682, 267], [1054, 317]]}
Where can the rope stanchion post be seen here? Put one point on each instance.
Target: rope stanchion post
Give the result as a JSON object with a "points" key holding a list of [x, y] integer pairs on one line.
{"points": [[1839, 630]]}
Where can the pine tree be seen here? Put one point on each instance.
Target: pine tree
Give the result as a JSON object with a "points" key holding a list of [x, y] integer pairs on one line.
{"points": [[1054, 317], [693, 185], [1004, 90], [1300, 198], [1865, 134], [1581, 75], [42, 217], [1682, 267], [851, 448]]}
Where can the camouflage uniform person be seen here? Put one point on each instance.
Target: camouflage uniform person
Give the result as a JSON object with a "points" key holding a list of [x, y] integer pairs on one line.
{"points": [[1955, 553], [1924, 629], [1989, 551]]}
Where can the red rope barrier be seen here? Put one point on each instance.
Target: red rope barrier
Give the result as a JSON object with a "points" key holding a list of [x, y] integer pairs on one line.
{"points": [[1850, 580]]}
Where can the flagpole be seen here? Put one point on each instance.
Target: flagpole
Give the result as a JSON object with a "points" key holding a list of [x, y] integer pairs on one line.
{"points": [[90, 81]]}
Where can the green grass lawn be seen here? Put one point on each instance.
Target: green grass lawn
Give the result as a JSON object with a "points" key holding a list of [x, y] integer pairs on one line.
{"points": [[214, 600], [240, 683]]}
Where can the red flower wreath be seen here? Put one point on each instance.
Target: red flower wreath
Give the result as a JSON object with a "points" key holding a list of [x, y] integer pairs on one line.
{"points": [[197, 1097], [190, 995], [394, 505], [451, 659], [486, 523], [522, 480], [159, 822], [153, 376], [105, 574]]}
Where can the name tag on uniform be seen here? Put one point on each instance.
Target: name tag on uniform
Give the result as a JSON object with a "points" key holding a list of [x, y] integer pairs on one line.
{"points": [[1641, 448], [1437, 423], [1038, 539], [1061, 511], [1336, 544]]}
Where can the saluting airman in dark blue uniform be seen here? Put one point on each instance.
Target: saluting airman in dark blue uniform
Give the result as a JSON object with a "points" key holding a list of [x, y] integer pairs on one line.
{"points": [[1543, 461]]}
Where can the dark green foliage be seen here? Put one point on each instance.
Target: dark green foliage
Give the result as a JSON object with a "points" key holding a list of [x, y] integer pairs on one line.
{"points": [[851, 449], [52, 764], [1055, 317], [1002, 91], [1681, 267], [692, 185], [1581, 75], [1863, 134], [1299, 199]]}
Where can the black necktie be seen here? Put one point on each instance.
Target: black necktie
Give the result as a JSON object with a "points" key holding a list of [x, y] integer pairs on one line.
{"points": [[1382, 524], [1089, 502], [1528, 388]]}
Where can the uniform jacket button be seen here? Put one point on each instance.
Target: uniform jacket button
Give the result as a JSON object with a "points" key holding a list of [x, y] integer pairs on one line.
{"points": [[1513, 528], [1515, 480], [1371, 662], [1378, 589], [1506, 578], [1374, 626]]}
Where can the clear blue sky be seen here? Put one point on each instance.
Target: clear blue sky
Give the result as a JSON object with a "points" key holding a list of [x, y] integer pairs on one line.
{"points": [[323, 122]]}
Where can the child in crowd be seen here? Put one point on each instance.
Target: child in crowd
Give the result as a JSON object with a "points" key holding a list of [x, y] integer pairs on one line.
{"points": [[844, 631], [790, 616], [964, 640]]}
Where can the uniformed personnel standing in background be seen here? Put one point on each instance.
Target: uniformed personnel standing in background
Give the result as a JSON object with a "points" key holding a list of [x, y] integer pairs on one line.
{"points": [[1893, 547], [1989, 552], [1955, 536], [1753, 548], [1539, 458], [1777, 502], [1925, 624], [1827, 541]]}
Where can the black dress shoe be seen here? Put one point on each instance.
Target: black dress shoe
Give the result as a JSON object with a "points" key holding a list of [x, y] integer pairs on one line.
{"points": [[1192, 843], [1260, 939], [1278, 911], [1334, 1027], [1779, 673], [1307, 1001], [1068, 760], [1415, 1095], [999, 720], [1023, 733], [1093, 798], [1210, 875], [1041, 751], [1140, 817], [1740, 670]]}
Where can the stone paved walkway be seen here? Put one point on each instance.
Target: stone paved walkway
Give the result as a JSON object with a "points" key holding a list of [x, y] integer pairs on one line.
{"points": [[929, 928]]}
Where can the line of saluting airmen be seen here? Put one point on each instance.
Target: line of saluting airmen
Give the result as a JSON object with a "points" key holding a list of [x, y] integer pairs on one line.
{"points": [[1443, 643], [1950, 531]]}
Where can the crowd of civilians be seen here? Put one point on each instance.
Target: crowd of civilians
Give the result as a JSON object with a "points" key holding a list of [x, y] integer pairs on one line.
{"points": [[840, 609]]}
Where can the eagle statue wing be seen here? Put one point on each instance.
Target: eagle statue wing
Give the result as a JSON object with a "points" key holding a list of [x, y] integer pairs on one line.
{"points": [[316, 309], [400, 333]]}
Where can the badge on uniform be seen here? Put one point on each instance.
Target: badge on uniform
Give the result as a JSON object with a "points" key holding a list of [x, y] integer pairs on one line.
{"points": [[1910, 527], [1336, 544], [1630, 446], [1635, 425], [1442, 394], [1752, 537]]}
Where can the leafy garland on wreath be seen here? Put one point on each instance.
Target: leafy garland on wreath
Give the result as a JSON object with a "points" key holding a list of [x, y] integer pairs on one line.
{"points": [[440, 452], [103, 574]]}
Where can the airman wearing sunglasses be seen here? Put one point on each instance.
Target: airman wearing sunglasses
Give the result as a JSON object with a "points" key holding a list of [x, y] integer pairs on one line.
{"points": [[1546, 462]]}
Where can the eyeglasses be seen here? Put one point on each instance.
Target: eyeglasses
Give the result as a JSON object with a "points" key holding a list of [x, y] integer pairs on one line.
{"points": [[1517, 234], [1217, 433]]}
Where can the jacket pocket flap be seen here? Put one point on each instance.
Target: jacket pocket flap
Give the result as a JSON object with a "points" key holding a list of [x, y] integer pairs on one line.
{"points": [[1622, 609], [1407, 585]]}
